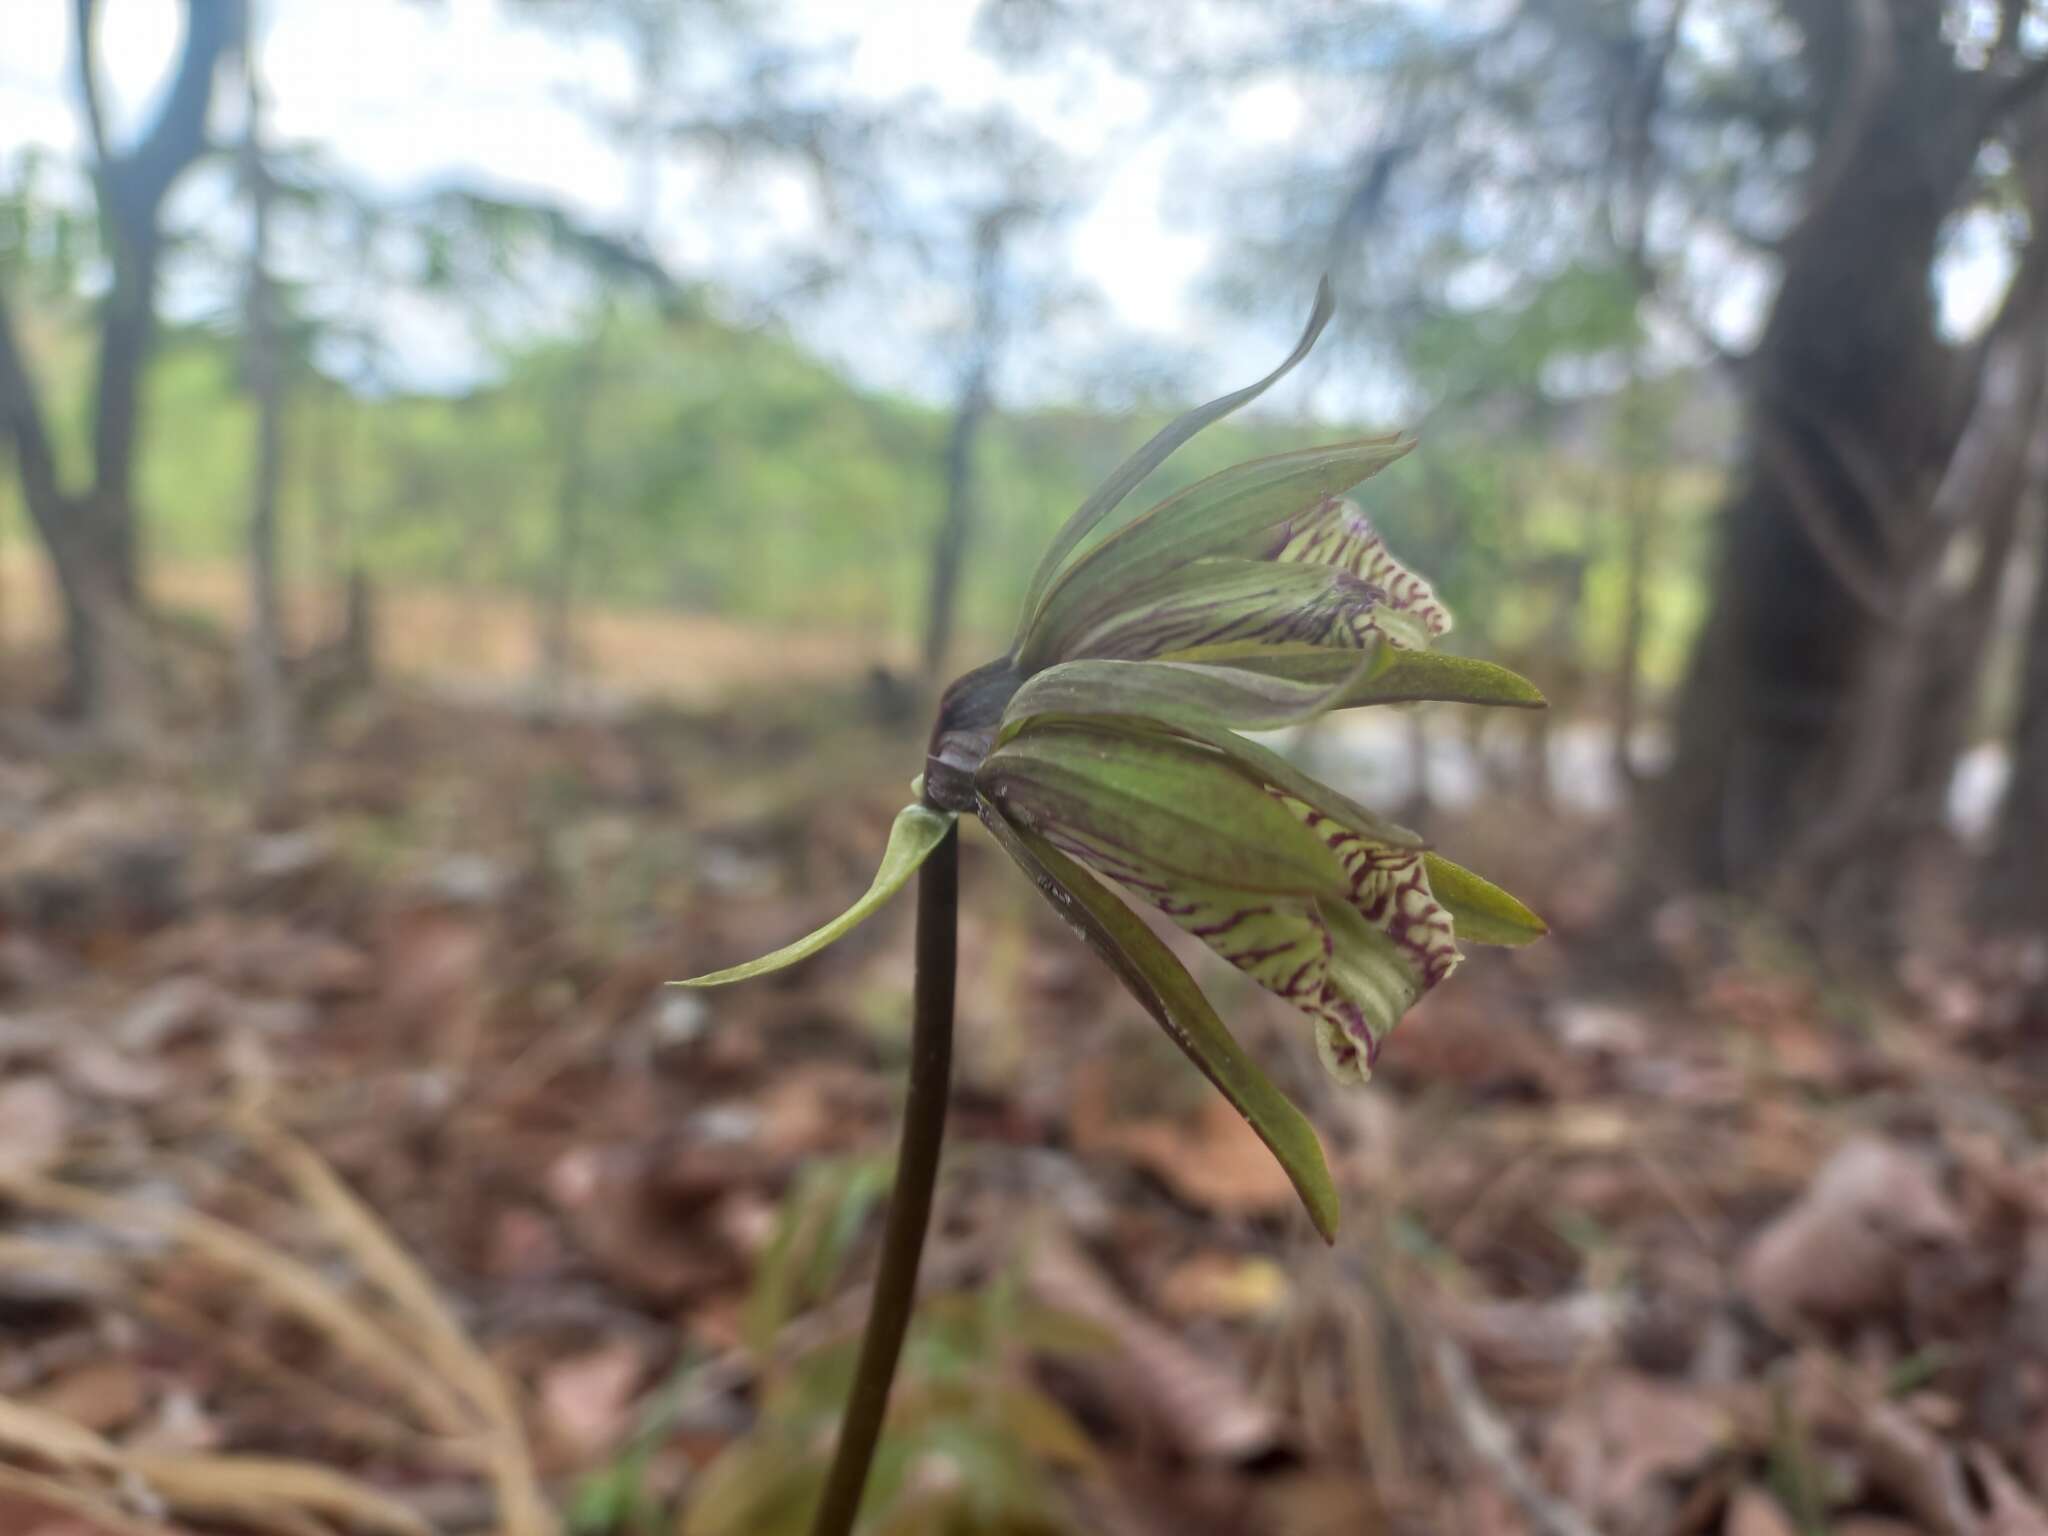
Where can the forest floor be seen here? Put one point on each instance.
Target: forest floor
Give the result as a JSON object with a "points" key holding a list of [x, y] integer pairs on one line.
{"points": [[374, 1142]]}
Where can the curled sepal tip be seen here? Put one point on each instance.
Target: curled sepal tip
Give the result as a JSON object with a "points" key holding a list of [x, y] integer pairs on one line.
{"points": [[918, 830], [1481, 910], [1163, 987]]}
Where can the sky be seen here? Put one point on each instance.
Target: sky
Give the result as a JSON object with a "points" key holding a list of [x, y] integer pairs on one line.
{"points": [[410, 92]]}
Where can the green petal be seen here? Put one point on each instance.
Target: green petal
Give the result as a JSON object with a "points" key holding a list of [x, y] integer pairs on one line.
{"points": [[1397, 676], [1156, 699], [1481, 910], [1134, 805], [1231, 697], [1110, 494], [1162, 985], [1226, 602], [918, 830], [1224, 515]]}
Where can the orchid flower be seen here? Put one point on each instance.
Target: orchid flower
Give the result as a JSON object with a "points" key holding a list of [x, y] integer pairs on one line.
{"points": [[1105, 742]]}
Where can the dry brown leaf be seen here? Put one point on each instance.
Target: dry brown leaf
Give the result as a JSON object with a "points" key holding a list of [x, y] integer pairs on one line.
{"points": [[2014, 1511], [617, 1208], [1215, 1161], [1752, 1512], [99, 1515], [587, 1400], [1226, 1285], [1624, 1437], [100, 1070], [1841, 1249], [101, 1397], [1211, 1413], [1909, 1462], [1552, 1334], [35, 1124], [431, 956]]}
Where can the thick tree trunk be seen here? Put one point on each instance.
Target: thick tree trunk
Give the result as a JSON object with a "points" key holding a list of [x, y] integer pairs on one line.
{"points": [[90, 536], [1852, 415], [2015, 886], [128, 329]]}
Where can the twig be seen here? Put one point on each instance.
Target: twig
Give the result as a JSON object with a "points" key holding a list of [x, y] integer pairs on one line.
{"points": [[1492, 1443]]}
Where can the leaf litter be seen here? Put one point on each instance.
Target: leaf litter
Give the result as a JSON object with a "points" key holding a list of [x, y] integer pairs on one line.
{"points": [[365, 1177]]}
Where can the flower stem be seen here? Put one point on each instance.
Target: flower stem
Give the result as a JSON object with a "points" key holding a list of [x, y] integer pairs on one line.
{"points": [[910, 1202]]}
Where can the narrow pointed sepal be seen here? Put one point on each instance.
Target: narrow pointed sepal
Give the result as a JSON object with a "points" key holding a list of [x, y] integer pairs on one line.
{"points": [[1233, 515], [1481, 911], [1396, 676], [918, 830], [1182, 694], [1110, 494], [1161, 984]]}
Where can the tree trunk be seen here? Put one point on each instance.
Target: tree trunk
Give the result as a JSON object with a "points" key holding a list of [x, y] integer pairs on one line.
{"points": [[267, 701], [2014, 894], [556, 641], [949, 547], [1640, 498], [89, 536], [1852, 414]]}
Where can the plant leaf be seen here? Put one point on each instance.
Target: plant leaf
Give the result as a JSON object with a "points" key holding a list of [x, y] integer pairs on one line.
{"points": [[918, 830], [1225, 516], [1480, 910], [1163, 987], [1125, 478]]}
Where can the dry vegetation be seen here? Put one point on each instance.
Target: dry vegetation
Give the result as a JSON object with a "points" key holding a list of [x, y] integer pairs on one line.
{"points": [[363, 1176]]}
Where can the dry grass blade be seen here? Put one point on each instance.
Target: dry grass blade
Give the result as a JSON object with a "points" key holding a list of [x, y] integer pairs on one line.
{"points": [[289, 1283], [59, 1262], [101, 1514], [49, 1437], [412, 1346], [447, 1348], [1492, 1444], [1210, 1411], [338, 1414], [271, 1493]]}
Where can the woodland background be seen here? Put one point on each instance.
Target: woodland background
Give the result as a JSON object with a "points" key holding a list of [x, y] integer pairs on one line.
{"points": [[438, 608]]}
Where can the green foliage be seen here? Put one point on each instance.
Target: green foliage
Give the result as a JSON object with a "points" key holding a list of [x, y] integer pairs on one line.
{"points": [[728, 471]]}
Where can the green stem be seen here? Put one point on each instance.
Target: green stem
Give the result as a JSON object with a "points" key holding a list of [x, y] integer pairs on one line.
{"points": [[910, 1202]]}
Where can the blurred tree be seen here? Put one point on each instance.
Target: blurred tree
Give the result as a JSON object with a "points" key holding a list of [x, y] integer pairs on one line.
{"points": [[90, 534], [1802, 161], [710, 77], [2015, 888], [1005, 186], [267, 702]]}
